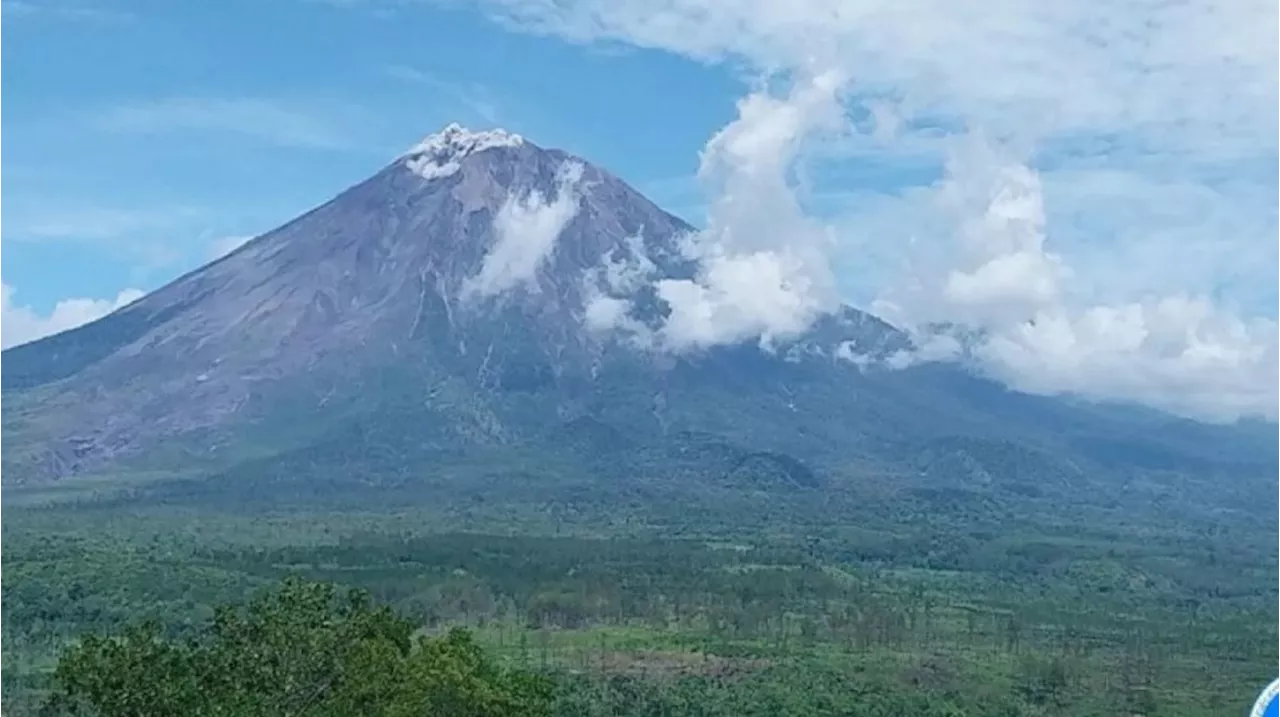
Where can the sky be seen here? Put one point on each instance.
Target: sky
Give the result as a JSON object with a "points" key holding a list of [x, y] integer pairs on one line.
{"points": [[1090, 190], [142, 138]]}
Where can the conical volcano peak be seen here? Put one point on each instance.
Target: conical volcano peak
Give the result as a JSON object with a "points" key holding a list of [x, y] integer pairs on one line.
{"points": [[441, 154], [518, 299]]}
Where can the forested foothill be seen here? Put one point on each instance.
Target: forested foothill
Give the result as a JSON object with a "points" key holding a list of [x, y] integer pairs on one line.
{"points": [[568, 608]]}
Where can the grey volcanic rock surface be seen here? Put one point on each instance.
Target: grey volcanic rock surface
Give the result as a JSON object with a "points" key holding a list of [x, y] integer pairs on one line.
{"points": [[358, 281], [442, 308]]}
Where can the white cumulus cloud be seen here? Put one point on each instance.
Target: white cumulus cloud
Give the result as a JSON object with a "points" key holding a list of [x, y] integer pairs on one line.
{"points": [[1106, 223], [996, 281], [763, 264], [22, 324], [525, 231]]}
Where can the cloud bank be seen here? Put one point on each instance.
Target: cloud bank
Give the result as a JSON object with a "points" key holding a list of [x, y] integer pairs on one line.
{"points": [[1106, 221], [1003, 289], [22, 324]]}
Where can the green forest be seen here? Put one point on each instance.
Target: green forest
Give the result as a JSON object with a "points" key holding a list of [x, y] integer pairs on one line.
{"points": [[493, 609]]}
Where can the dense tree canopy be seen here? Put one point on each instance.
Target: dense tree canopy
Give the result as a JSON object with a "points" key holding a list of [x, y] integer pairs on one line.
{"points": [[829, 624], [300, 649]]}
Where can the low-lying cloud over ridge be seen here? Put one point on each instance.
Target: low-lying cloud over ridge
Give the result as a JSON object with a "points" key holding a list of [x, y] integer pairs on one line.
{"points": [[1036, 109]]}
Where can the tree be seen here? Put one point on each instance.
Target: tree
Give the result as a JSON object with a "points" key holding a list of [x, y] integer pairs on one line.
{"points": [[1043, 681], [301, 649]]}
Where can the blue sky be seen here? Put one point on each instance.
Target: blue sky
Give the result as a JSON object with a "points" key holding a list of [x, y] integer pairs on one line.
{"points": [[140, 134], [1092, 185]]}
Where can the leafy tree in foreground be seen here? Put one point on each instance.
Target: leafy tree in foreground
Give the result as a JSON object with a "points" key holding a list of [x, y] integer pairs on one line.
{"points": [[301, 649]]}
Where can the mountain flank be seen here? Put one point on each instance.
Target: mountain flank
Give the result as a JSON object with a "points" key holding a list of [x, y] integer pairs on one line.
{"points": [[480, 305]]}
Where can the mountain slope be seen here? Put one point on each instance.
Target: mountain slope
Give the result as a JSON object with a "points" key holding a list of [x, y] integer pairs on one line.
{"points": [[446, 312], [356, 281]]}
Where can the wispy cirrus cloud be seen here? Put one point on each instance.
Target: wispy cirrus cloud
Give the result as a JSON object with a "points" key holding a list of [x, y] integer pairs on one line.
{"points": [[68, 12], [1178, 72], [475, 98], [74, 221], [270, 121], [151, 238], [15, 9]]}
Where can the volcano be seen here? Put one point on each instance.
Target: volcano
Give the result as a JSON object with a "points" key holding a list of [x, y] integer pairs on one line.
{"points": [[486, 302]]}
